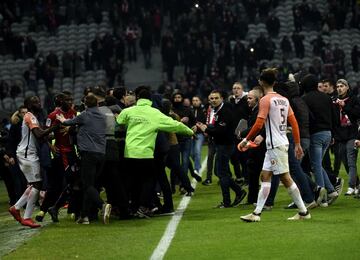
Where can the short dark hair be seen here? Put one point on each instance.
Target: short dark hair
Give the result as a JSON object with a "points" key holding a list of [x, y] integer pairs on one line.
{"points": [[119, 92], [99, 91], [143, 92], [21, 107], [90, 100], [269, 75], [217, 91], [59, 99], [29, 101], [110, 100]]}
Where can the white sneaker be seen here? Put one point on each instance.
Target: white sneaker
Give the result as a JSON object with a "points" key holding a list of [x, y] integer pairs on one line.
{"points": [[324, 204], [84, 221], [322, 195], [106, 211], [356, 192], [311, 205], [332, 197], [250, 218], [301, 216], [350, 191]]}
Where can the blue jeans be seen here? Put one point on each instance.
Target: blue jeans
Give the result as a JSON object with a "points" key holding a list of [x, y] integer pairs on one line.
{"points": [[348, 155], [223, 153], [196, 150], [185, 150], [297, 172], [319, 142]]}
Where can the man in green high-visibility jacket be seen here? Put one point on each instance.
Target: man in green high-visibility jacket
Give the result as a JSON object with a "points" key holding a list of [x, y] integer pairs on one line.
{"points": [[143, 122]]}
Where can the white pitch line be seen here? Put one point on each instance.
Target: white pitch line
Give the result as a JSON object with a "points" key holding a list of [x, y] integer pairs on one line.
{"points": [[170, 231]]}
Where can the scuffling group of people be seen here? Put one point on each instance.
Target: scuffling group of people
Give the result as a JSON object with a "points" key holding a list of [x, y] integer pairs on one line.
{"points": [[120, 142]]}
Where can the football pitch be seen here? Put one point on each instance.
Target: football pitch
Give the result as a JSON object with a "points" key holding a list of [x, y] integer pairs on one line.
{"points": [[202, 233]]}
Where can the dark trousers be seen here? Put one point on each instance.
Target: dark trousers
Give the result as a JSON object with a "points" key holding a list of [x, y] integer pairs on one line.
{"points": [[239, 159], [57, 189], [142, 177], [91, 167], [173, 162], [9, 184], [210, 160], [19, 181], [223, 153], [254, 166], [163, 182]]}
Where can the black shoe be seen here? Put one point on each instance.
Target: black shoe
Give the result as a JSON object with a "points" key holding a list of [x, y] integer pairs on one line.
{"points": [[240, 181], [339, 185], [40, 216], [222, 206], [207, 182], [143, 213], [53, 212], [292, 205], [164, 212], [239, 198], [189, 194], [197, 177]]}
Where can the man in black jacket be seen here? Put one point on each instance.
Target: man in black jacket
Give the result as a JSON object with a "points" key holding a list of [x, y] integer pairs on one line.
{"points": [[348, 112], [223, 133], [240, 111], [321, 125]]}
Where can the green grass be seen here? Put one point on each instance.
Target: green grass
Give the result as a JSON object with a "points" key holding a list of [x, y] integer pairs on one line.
{"points": [[203, 233]]}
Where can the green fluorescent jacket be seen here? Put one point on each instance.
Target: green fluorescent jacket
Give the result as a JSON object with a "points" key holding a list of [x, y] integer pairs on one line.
{"points": [[143, 122]]}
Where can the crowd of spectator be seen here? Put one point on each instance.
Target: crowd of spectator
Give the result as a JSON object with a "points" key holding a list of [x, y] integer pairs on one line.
{"points": [[209, 39]]}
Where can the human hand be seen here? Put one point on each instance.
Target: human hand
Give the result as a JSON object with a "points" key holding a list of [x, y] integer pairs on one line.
{"points": [[357, 143], [60, 117], [201, 126], [299, 153]]}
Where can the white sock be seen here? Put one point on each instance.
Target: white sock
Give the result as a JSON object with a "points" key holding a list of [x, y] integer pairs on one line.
{"points": [[294, 192], [33, 197], [262, 196], [23, 199]]}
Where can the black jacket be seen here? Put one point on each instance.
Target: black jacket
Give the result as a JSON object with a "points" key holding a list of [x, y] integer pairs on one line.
{"points": [[351, 110], [241, 110], [223, 129], [199, 115], [291, 91], [182, 111], [322, 116]]}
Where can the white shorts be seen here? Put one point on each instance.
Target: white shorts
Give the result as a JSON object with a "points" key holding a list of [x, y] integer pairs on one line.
{"points": [[30, 169], [277, 160]]}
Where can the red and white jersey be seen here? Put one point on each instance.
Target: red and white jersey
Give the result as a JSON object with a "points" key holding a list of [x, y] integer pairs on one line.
{"points": [[28, 146], [275, 109]]}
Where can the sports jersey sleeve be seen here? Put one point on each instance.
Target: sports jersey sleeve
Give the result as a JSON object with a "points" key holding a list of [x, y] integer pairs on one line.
{"points": [[31, 121], [264, 107], [290, 111]]}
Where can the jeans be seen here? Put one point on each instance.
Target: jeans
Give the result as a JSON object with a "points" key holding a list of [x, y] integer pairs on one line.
{"points": [[319, 142], [196, 150], [185, 150], [348, 155], [223, 153], [297, 172]]}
